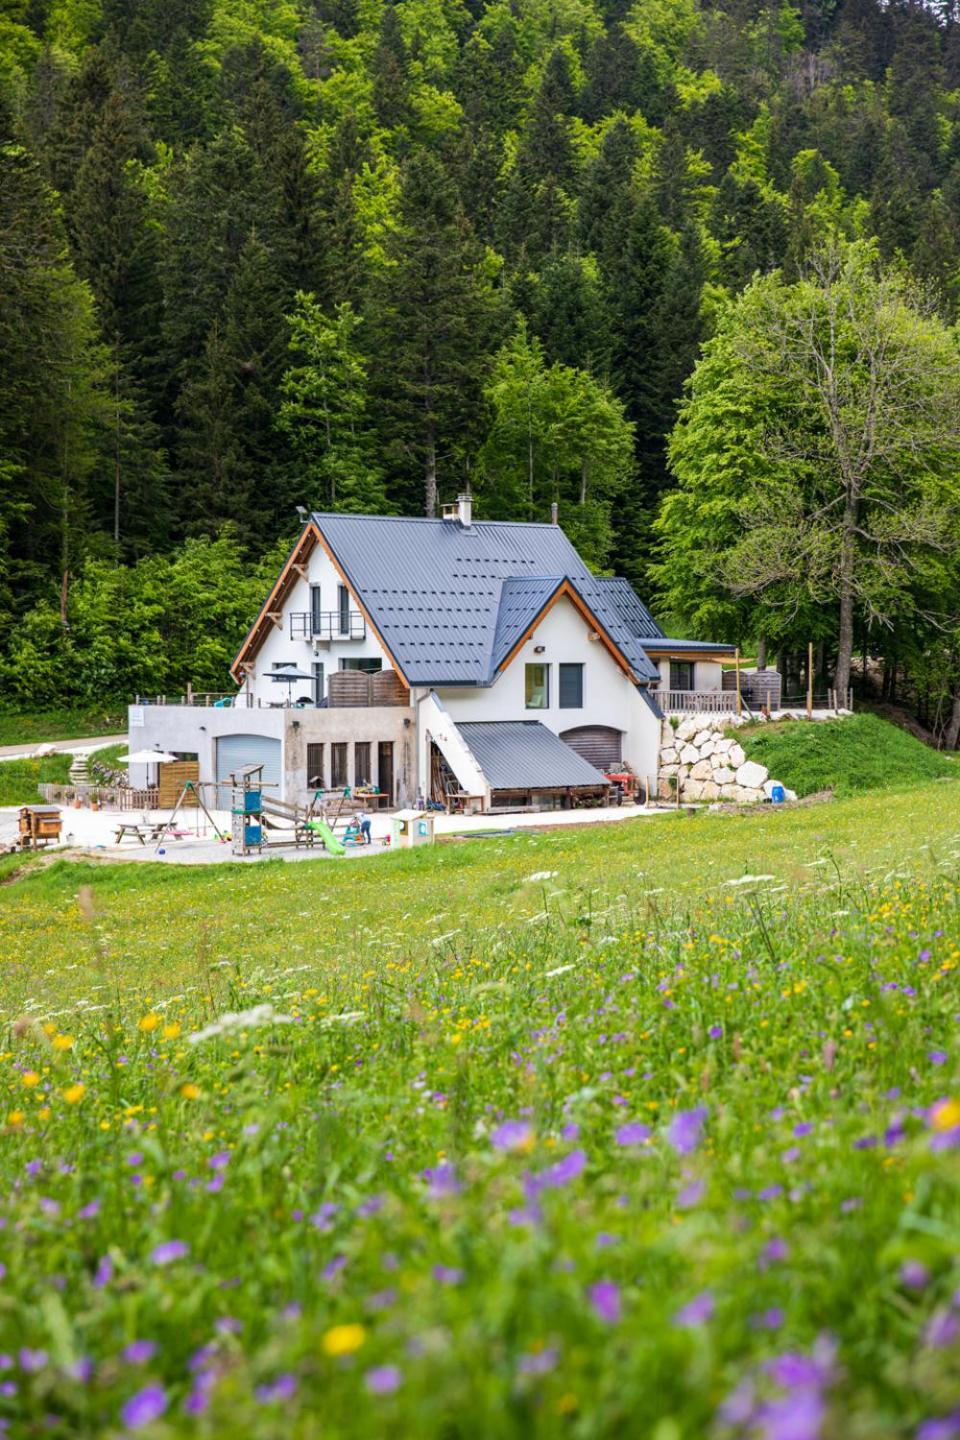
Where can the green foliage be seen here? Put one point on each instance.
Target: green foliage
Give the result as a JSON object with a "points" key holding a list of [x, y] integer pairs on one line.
{"points": [[556, 434], [276, 1169], [325, 411], [614, 173], [846, 756], [148, 628]]}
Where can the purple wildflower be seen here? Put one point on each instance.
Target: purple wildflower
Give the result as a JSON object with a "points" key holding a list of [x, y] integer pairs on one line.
{"points": [[691, 1194], [560, 1174], [774, 1250], [383, 1379], [914, 1275], [943, 1328], [89, 1212], [633, 1134], [103, 1273], [442, 1181], [138, 1352], [604, 1296], [447, 1274], [538, 1362], [143, 1408], [686, 1129], [512, 1135], [698, 1312], [715, 1032], [771, 1319], [168, 1251], [282, 1389], [322, 1219], [946, 1428], [220, 1160], [32, 1360], [938, 1057], [805, 1127]]}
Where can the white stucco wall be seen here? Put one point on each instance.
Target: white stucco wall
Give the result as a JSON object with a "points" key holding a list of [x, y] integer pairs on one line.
{"points": [[707, 674], [609, 697], [279, 648]]}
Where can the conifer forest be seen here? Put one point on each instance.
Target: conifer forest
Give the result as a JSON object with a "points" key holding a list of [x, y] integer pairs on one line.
{"points": [[690, 270]]}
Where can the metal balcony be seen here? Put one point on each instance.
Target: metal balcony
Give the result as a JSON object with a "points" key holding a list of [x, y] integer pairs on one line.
{"points": [[327, 625]]}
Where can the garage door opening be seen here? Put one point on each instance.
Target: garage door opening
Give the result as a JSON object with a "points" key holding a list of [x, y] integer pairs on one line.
{"points": [[601, 745], [234, 751]]}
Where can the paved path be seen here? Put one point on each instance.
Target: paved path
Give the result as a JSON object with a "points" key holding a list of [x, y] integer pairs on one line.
{"points": [[67, 747]]}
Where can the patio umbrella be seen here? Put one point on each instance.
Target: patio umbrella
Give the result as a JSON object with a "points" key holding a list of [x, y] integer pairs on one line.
{"points": [[148, 757], [289, 675]]}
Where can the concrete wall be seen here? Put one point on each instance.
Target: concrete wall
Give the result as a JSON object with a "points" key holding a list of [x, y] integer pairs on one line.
{"points": [[195, 730], [279, 648], [609, 697]]}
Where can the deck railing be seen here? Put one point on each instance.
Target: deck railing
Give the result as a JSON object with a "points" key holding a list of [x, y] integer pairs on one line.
{"points": [[697, 702], [327, 625]]}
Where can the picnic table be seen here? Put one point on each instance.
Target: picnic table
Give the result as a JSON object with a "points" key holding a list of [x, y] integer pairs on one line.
{"points": [[146, 833]]}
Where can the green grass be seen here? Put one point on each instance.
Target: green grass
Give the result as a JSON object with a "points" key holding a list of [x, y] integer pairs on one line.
{"points": [[34, 727], [846, 756], [20, 779], [363, 1252]]}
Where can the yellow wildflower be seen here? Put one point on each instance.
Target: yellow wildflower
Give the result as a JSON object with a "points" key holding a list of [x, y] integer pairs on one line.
{"points": [[148, 1022], [63, 1042], [344, 1339], [15, 1117], [30, 1078], [74, 1093], [190, 1091], [171, 1031], [946, 1115]]}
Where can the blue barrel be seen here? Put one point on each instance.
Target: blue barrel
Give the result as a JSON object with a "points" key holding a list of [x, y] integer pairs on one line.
{"points": [[777, 794]]}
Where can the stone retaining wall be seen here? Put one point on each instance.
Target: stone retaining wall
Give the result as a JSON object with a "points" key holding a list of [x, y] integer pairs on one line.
{"points": [[706, 764]]}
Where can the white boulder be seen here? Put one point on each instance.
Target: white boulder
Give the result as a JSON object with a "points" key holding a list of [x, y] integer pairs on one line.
{"points": [[703, 770], [751, 775]]}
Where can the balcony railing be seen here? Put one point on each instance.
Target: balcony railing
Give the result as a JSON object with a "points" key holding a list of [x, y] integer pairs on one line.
{"points": [[327, 625], [697, 702]]}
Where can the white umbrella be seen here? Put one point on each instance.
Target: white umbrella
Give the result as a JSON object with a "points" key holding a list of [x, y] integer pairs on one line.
{"points": [[146, 757]]}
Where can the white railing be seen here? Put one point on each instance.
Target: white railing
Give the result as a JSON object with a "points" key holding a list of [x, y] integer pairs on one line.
{"points": [[697, 702]]}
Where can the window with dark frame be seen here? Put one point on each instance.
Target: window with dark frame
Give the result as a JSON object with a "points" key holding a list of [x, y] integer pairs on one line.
{"points": [[319, 683], [681, 674], [361, 762], [570, 690], [537, 686], [338, 765], [316, 613], [370, 665], [343, 595], [314, 767]]}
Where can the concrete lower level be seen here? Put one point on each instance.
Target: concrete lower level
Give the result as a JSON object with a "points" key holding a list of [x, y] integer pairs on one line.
{"points": [[340, 746]]}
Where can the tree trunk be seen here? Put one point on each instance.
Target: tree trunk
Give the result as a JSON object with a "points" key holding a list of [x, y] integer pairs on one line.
{"points": [[845, 634], [430, 476], [761, 654], [952, 733]]}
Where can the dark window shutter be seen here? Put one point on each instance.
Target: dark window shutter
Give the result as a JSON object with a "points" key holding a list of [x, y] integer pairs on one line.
{"points": [[571, 687]]}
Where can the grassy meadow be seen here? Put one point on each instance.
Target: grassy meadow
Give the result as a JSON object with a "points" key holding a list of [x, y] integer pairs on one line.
{"points": [[19, 727], [647, 1130], [848, 756]]}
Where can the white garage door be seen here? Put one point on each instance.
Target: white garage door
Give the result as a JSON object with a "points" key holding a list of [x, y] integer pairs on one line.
{"points": [[234, 751]]}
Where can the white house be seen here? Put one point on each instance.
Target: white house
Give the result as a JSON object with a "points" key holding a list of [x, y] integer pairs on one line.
{"points": [[478, 663]]}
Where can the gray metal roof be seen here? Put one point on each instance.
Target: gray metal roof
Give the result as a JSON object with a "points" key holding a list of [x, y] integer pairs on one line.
{"points": [[450, 600], [525, 755], [694, 647]]}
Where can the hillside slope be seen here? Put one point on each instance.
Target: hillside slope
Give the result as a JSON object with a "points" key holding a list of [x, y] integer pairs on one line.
{"points": [[847, 756]]}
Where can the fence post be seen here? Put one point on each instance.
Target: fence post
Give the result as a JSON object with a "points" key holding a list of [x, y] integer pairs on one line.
{"points": [[739, 697], [810, 680], [189, 692]]}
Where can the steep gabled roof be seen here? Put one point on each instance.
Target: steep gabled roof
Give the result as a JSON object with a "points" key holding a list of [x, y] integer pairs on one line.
{"points": [[449, 602]]}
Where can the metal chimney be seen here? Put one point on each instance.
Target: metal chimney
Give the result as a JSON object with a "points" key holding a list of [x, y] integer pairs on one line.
{"points": [[465, 509], [554, 513]]}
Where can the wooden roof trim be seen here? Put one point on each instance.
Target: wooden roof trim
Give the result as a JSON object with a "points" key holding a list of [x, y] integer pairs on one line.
{"points": [[689, 655], [255, 635], [579, 604], [322, 542]]}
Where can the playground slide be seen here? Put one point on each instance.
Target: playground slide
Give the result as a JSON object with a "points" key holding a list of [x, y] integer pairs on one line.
{"points": [[321, 828]]}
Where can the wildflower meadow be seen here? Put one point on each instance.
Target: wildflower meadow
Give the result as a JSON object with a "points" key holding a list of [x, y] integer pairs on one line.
{"points": [[645, 1131]]}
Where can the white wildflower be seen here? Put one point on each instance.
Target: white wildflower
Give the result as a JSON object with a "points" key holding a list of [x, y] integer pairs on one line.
{"points": [[240, 1020], [749, 879], [541, 875]]}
